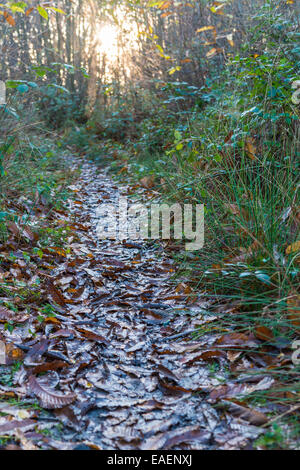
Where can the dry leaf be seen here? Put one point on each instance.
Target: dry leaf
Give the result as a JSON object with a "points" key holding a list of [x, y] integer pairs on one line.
{"points": [[250, 148], [249, 414], [205, 28], [148, 182], [294, 308], [263, 333], [293, 248], [49, 399], [10, 20], [212, 52]]}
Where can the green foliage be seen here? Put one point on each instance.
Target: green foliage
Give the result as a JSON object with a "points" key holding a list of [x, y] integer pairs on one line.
{"points": [[58, 106], [272, 439]]}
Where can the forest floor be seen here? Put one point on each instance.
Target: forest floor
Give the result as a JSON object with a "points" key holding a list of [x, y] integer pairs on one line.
{"points": [[106, 358]]}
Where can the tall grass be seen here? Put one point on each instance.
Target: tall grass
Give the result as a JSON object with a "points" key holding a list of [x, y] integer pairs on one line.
{"points": [[238, 153]]}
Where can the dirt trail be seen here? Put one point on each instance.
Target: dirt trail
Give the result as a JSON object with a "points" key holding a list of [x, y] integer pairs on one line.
{"points": [[140, 389], [119, 344]]}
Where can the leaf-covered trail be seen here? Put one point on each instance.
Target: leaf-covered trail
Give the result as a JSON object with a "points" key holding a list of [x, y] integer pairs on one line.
{"points": [[137, 387], [118, 352]]}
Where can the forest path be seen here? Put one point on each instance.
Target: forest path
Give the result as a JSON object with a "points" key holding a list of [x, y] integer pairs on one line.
{"points": [[138, 384], [107, 349]]}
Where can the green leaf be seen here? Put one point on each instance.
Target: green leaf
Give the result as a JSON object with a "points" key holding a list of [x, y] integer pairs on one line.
{"points": [[61, 88], [245, 274], [58, 10], [177, 135], [18, 7], [14, 83], [174, 69], [32, 84], [42, 12], [3, 215], [263, 277], [22, 88]]}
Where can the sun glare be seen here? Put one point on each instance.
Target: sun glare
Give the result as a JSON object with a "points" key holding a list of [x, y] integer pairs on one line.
{"points": [[108, 40]]}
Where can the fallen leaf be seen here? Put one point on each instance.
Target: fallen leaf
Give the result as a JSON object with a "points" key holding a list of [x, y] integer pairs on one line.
{"points": [[293, 248], [250, 148], [293, 303], [49, 399], [55, 294], [254, 417], [93, 336], [212, 52], [263, 333], [11, 426], [7, 315], [235, 340], [148, 182]]}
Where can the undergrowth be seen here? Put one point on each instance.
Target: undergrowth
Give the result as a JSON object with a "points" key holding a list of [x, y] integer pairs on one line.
{"points": [[235, 149]]}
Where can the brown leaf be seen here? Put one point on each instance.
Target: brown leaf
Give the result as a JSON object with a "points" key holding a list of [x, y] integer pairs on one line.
{"points": [[294, 308], [263, 333], [148, 182], [29, 11], [67, 416], [293, 248], [38, 349], [93, 336], [49, 399], [228, 137], [13, 354], [27, 232], [226, 390], [212, 52], [240, 389], [165, 5], [170, 389], [10, 20], [13, 228], [205, 356], [55, 294], [54, 365], [235, 340], [6, 315], [62, 333], [209, 355], [232, 356], [250, 148], [11, 426], [10, 316], [58, 251], [169, 439], [166, 372], [248, 414], [52, 320], [167, 13], [205, 28]]}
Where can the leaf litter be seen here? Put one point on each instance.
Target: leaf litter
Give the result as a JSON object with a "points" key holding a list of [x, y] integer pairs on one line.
{"points": [[111, 357]]}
